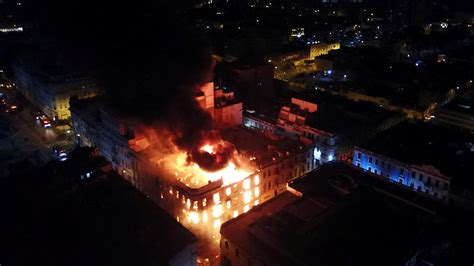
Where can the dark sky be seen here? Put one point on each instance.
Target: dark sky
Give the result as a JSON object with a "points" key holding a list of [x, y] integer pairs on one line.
{"points": [[146, 57], [142, 49]]}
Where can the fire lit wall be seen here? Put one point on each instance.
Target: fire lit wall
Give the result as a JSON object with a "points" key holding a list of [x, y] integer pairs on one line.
{"points": [[228, 116], [209, 206]]}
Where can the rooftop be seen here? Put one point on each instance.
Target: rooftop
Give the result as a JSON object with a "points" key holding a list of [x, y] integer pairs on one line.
{"points": [[265, 149], [317, 227], [50, 68], [336, 114], [420, 143], [104, 221], [373, 74]]}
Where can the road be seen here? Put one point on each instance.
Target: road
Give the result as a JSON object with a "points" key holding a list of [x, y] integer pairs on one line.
{"points": [[30, 139]]}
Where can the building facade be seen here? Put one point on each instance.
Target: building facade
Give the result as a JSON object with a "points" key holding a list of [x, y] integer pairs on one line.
{"points": [[50, 89], [274, 162], [420, 178]]}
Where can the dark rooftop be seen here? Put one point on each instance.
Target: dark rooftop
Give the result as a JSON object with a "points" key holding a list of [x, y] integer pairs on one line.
{"points": [[262, 147], [325, 222], [420, 143], [336, 114], [105, 222]]}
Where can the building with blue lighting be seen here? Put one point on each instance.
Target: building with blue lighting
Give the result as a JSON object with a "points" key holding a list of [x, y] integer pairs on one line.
{"points": [[332, 123], [333, 208], [422, 178], [428, 159]]}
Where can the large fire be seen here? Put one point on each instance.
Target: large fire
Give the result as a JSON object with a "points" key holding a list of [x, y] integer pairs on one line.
{"points": [[194, 176], [237, 193]]}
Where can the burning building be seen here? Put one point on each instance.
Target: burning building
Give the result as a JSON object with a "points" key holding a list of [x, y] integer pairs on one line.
{"points": [[202, 181], [259, 170]]}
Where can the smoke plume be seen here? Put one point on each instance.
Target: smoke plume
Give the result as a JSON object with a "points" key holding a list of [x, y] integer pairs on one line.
{"points": [[150, 64]]}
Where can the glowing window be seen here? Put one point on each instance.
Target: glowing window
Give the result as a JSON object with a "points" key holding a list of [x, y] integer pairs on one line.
{"points": [[216, 198], [256, 192], [204, 216], [255, 203], [194, 216], [317, 154], [247, 196], [216, 211], [256, 180], [236, 213], [228, 204], [228, 191], [188, 203], [204, 202], [246, 184], [195, 205]]}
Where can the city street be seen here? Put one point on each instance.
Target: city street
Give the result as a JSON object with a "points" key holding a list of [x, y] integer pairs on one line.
{"points": [[29, 138]]}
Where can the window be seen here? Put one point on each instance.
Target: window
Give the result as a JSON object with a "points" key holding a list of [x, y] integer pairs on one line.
{"points": [[420, 177], [226, 244], [370, 169], [370, 159], [429, 181], [358, 164], [359, 155], [437, 183], [402, 171], [376, 161], [383, 164], [375, 171], [389, 166], [413, 174]]}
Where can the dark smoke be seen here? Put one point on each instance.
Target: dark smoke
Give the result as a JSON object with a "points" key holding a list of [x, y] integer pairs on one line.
{"points": [[149, 62], [223, 152]]}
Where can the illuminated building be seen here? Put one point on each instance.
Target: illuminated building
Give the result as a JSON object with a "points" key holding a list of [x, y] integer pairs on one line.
{"points": [[297, 57], [332, 124], [296, 33], [327, 209], [225, 109], [428, 159], [11, 29], [322, 49], [273, 163], [50, 86], [260, 167], [291, 122]]}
